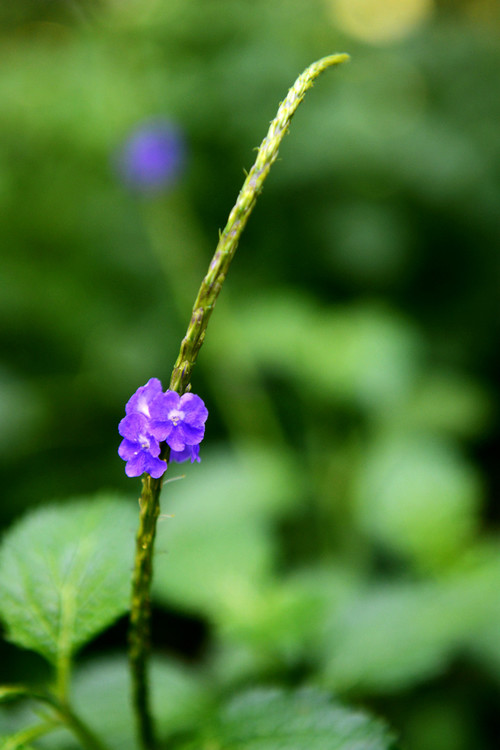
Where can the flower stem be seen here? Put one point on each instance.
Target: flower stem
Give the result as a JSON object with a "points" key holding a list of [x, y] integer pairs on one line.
{"points": [[139, 636], [140, 614], [228, 241]]}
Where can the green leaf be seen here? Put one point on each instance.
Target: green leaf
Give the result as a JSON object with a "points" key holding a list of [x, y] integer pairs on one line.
{"points": [[21, 723], [417, 496], [480, 574], [65, 574], [101, 695], [14, 717], [395, 635], [388, 638], [270, 719], [448, 403], [216, 553], [283, 628], [368, 356], [11, 743]]}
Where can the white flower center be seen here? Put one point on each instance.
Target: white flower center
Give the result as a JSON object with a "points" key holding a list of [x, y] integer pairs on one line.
{"points": [[144, 442], [175, 416]]}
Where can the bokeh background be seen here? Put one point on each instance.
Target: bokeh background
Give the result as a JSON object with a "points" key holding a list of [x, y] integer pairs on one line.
{"points": [[342, 528]]}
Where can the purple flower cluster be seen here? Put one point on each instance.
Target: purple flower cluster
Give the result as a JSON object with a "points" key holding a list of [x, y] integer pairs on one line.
{"points": [[153, 157], [153, 417]]}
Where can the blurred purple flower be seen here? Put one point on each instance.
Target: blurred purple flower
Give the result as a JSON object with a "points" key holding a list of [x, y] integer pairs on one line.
{"points": [[153, 157]]}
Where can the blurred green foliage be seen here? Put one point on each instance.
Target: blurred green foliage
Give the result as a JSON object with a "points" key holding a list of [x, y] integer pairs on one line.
{"points": [[342, 526]]}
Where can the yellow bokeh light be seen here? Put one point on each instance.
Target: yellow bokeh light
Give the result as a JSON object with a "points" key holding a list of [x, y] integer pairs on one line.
{"points": [[379, 20]]}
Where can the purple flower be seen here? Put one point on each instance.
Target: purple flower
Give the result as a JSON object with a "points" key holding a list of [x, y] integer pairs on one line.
{"points": [[153, 156], [153, 417], [139, 448], [179, 420], [190, 452]]}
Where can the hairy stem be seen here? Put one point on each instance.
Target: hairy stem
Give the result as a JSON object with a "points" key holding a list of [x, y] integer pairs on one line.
{"points": [[140, 615], [228, 241], [139, 637]]}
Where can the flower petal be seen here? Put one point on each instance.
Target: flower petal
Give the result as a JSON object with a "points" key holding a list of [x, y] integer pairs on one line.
{"points": [[163, 404], [176, 439], [195, 410], [132, 426], [142, 398], [191, 435], [128, 449], [154, 446], [190, 452], [154, 466], [160, 430], [135, 467]]}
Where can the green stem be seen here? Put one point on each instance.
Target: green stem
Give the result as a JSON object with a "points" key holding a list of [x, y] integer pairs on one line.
{"points": [[139, 636], [63, 669], [140, 614], [243, 402], [25, 736], [228, 241]]}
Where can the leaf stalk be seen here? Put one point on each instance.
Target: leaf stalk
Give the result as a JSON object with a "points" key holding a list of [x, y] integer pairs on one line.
{"points": [[64, 714]]}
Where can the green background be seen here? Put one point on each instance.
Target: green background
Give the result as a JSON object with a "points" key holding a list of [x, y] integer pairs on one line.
{"points": [[342, 527]]}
